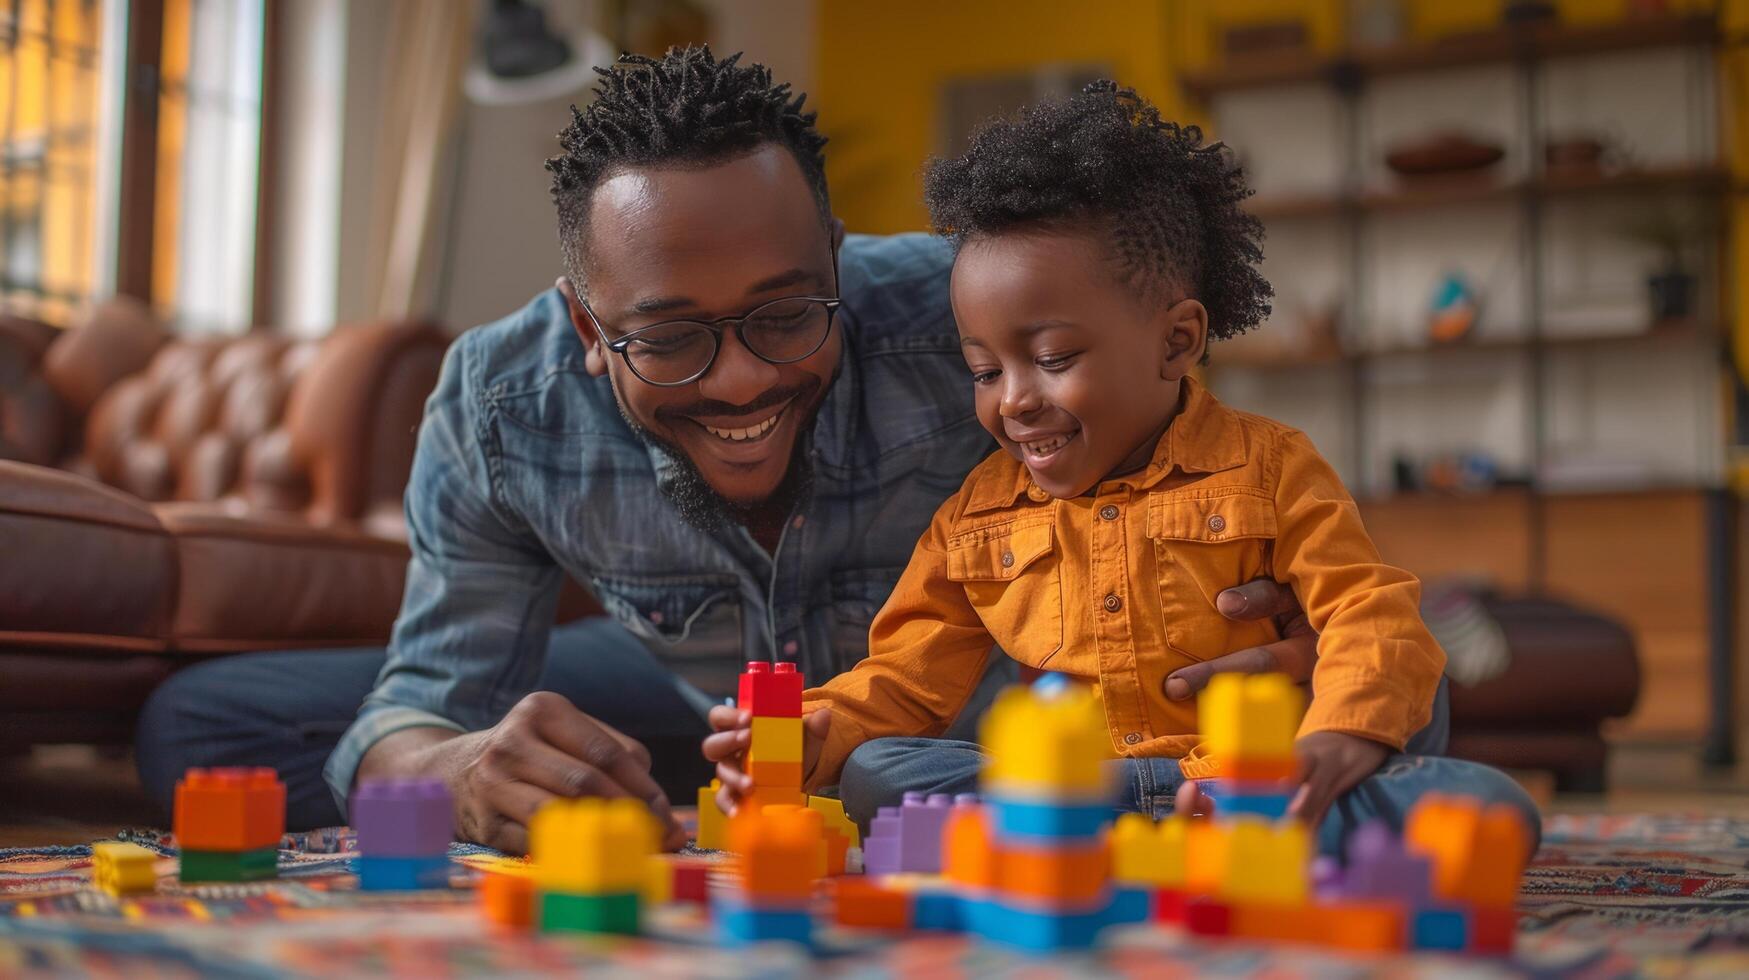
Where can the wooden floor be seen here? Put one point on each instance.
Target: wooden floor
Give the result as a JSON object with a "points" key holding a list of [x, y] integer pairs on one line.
{"points": [[71, 795]]}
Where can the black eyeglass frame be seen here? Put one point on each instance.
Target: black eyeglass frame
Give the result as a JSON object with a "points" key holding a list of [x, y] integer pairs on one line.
{"points": [[716, 328]]}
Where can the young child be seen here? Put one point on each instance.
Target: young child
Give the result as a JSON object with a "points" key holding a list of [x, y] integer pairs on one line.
{"points": [[1099, 250]]}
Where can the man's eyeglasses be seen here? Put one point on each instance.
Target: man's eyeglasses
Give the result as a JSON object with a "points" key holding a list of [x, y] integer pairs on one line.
{"points": [[678, 352]]}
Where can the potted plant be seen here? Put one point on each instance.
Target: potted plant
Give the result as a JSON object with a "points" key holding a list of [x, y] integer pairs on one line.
{"points": [[1675, 230]]}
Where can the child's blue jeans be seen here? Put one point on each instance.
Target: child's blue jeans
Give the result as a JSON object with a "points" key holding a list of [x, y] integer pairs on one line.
{"points": [[880, 772]]}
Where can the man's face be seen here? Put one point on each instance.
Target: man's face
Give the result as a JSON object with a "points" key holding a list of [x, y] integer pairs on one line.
{"points": [[700, 243], [1075, 375]]}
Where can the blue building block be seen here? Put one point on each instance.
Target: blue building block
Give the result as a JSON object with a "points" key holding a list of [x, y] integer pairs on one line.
{"points": [[739, 923], [1130, 905], [401, 874], [1266, 800], [1033, 930], [936, 910], [1439, 928], [1038, 821]]}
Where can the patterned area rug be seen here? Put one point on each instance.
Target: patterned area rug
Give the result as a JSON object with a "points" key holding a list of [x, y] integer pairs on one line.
{"points": [[1607, 896]]}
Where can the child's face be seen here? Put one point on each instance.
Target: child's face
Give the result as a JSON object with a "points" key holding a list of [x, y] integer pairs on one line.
{"points": [[1076, 374]]}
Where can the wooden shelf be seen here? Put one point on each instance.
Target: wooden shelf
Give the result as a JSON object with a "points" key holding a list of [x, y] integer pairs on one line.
{"points": [[1471, 188], [1498, 46], [1682, 331]]}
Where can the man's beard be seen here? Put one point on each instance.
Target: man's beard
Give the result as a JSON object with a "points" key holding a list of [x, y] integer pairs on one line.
{"points": [[701, 505]]}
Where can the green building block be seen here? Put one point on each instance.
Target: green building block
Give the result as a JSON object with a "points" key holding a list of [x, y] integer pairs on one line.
{"points": [[560, 912], [230, 865]]}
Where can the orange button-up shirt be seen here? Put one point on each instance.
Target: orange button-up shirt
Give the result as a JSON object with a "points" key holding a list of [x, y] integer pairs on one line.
{"points": [[1118, 587]]}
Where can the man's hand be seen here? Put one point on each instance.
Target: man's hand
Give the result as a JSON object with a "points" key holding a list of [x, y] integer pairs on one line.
{"points": [[734, 734], [543, 749], [1331, 763], [1295, 654]]}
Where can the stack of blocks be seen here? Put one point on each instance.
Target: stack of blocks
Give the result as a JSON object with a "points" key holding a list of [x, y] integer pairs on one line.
{"points": [[781, 853], [593, 862], [228, 824], [123, 869], [404, 827], [772, 694]]}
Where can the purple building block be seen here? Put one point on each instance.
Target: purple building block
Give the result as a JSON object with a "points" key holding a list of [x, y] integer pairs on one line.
{"points": [[907, 837], [1379, 867], [403, 818]]}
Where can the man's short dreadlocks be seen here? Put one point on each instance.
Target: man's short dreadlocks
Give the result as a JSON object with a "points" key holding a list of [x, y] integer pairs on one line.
{"points": [[1169, 202], [683, 108]]}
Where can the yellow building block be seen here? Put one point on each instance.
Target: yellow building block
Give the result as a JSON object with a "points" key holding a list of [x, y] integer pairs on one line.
{"points": [[1051, 743], [123, 869], [1267, 862], [776, 740], [712, 834], [1250, 716], [1147, 853], [1478, 853], [836, 819], [658, 881], [592, 846]]}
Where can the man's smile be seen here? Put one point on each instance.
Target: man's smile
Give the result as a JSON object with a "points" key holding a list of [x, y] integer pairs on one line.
{"points": [[744, 431]]}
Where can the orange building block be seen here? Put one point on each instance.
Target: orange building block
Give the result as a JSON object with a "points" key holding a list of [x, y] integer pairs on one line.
{"points": [[1206, 845], [764, 796], [1057, 875], [1283, 923], [507, 900], [860, 902], [1478, 853], [1365, 927], [837, 850], [1278, 770], [781, 854], [967, 858], [775, 775], [229, 810]]}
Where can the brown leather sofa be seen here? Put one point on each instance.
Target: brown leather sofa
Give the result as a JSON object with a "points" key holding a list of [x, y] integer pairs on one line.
{"points": [[163, 499]]}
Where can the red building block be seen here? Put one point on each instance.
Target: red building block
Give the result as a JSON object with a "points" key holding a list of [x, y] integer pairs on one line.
{"points": [[1169, 905], [229, 810], [691, 880], [771, 691], [1206, 917], [1492, 931]]}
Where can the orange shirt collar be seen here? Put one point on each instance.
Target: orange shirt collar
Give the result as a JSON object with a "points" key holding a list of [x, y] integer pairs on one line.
{"points": [[1205, 438]]}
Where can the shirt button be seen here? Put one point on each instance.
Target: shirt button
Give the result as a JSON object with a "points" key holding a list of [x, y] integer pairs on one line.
{"points": [[1007, 559], [1113, 603], [789, 648], [1132, 738], [1217, 523], [1108, 512], [1036, 494]]}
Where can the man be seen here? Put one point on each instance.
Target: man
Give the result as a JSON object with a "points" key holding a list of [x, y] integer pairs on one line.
{"points": [[730, 422]]}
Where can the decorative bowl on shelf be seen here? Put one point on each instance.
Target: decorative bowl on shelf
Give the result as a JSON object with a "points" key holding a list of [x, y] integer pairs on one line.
{"points": [[1444, 153]]}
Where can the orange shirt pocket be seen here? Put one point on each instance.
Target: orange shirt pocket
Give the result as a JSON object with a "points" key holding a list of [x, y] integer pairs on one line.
{"points": [[1012, 574], [1203, 545]]}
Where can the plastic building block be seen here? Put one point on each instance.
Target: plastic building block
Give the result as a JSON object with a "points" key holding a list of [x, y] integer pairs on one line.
{"points": [[1169, 905], [1250, 716], [809, 823], [836, 819], [859, 902], [658, 881], [936, 910], [1267, 862], [1047, 745], [256, 865], [691, 880], [1478, 853], [967, 857], [592, 846], [1206, 917], [1276, 770], [780, 855], [907, 837], [712, 822], [1379, 868], [739, 923], [1365, 927], [1282, 923], [764, 796], [229, 810], [1130, 905], [1033, 930], [597, 913], [1205, 856], [771, 691], [1147, 853], [403, 817], [1493, 931], [507, 900], [776, 740], [401, 874], [1075, 875], [1025, 819], [1439, 928], [783, 775], [123, 869], [1234, 798]]}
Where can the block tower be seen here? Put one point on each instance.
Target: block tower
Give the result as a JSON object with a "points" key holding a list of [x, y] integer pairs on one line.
{"points": [[1033, 866], [772, 694], [592, 861], [228, 823], [780, 853], [404, 827]]}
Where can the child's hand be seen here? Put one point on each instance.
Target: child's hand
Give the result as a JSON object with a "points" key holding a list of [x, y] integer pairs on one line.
{"points": [[1331, 763], [734, 733]]}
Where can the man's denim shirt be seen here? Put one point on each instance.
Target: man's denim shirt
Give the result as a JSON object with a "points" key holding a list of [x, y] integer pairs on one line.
{"points": [[526, 473]]}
